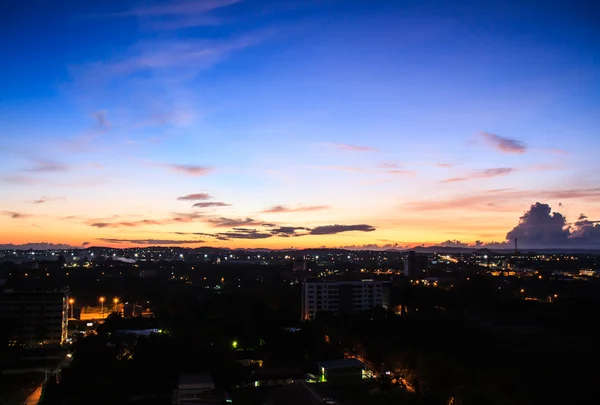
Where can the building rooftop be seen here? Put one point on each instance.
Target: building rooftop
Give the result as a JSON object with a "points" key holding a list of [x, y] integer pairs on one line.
{"points": [[331, 364], [195, 379]]}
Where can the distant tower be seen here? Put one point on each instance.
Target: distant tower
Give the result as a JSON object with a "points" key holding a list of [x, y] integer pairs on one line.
{"points": [[415, 265], [516, 245]]}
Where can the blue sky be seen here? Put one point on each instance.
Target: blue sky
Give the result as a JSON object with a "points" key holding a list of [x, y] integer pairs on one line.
{"points": [[366, 111]]}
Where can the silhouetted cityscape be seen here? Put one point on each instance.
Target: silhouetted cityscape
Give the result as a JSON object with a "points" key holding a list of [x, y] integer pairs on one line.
{"points": [[299, 202]]}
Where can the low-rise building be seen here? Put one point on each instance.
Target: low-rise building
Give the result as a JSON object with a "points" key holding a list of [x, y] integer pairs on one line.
{"points": [[196, 389], [342, 371]]}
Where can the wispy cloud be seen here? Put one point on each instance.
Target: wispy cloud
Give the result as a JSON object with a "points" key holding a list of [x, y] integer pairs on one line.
{"points": [[222, 222], [242, 233], [502, 199], [333, 229], [102, 122], [389, 165], [343, 169], [284, 209], [483, 174], [42, 166], [175, 8], [150, 241], [19, 180], [502, 144], [401, 172], [44, 200], [210, 204], [190, 170], [195, 197], [444, 165], [177, 218], [352, 148], [15, 215]]}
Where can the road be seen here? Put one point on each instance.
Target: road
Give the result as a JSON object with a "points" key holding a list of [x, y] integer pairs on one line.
{"points": [[297, 393], [34, 398]]}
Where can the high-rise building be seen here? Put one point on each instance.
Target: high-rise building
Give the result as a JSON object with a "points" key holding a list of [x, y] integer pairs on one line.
{"points": [[415, 265], [35, 315], [342, 296]]}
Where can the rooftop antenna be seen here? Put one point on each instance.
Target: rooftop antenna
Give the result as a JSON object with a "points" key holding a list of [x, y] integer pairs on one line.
{"points": [[516, 245]]}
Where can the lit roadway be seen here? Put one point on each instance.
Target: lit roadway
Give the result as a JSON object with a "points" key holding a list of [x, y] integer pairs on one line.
{"points": [[34, 398], [297, 393]]}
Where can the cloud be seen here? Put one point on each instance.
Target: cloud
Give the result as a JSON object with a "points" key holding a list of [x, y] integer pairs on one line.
{"points": [[483, 174], [444, 165], [333, 229], [343, 168], [190, 170], [242, 233], [127, 224], [162, 57], [151, 241], [185, 217], [102, 122], [388, 165], [453, 243], [222, 222], [183, 22], [177, 218], [283, 209], [47, 166], [496, 199], [504, 145], [16, 215], [195, 197], [540, 227], [210, 204], [374, 246], [19, 180], [176, 8], [36, 246], [402, 172], [86, 243], [44, 200], [353, 148], [585, 231], [286, 231]]}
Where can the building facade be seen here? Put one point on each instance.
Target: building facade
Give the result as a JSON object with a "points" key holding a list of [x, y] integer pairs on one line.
{"points": [[342, 296], [415, 265], [196, 389], [35, 315]]}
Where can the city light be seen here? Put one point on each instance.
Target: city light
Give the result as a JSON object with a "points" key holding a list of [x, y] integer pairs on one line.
{"points": [[101, 299], [234, 344], [71, 302]]}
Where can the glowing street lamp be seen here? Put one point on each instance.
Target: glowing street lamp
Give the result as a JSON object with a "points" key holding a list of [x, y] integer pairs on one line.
{"points": [[234, 344], [102, 304], [71, 302], [116, 302]]}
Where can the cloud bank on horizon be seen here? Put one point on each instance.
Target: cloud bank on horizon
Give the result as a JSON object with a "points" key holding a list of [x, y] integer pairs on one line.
{"points": [[237, 123]]}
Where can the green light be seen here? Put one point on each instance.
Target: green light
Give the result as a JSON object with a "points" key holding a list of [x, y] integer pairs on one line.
{"points": [[235, 344]]}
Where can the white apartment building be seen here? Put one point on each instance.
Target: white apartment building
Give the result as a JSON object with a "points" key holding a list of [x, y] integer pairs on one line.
{"points": [[342, 296]]}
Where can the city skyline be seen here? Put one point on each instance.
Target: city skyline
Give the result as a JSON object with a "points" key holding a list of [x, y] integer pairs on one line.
{"points": [[276, 124]]}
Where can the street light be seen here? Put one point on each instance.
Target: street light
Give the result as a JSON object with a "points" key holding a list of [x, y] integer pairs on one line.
{"points": [[234, 344], [116, 302], [71, 302], [102, 304]]}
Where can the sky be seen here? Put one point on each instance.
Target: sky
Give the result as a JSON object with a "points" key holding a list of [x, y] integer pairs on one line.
{"points": [[310, 123]]}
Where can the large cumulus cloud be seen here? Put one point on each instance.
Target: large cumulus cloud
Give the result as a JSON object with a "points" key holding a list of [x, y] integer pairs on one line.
{"points": [[540, 227]]}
